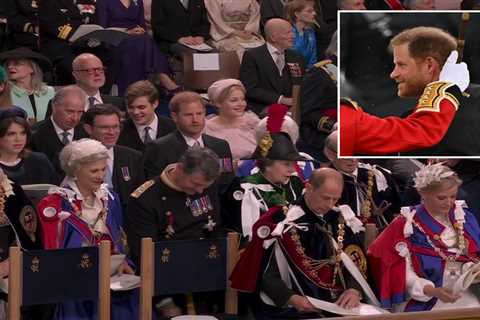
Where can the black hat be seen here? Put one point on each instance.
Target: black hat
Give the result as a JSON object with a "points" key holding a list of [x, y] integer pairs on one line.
{"points": [[277, 146], [26, 53], [12, 112]]}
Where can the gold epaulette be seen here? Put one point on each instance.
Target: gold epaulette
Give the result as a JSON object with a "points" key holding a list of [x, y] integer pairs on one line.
{"points": [[141, 189], [349, 102], [432, 95], [64, 31], [322, 63]]}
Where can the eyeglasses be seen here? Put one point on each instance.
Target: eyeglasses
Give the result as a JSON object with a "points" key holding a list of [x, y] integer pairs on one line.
{"points": [[109, 128], [92, 71]]}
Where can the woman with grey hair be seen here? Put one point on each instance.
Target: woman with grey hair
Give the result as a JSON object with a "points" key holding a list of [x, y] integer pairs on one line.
{"points": [[428, 257], [28, 91], [83, 212]]}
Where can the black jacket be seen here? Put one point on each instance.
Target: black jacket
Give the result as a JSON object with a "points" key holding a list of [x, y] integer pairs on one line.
{"points": [[22, 22], [45, 140], [171, 21], [127, 172], [129, 136], [259, 74], [168, 149]]}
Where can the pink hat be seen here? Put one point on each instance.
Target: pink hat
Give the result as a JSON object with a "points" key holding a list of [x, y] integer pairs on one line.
{"points": [[216, 89]]}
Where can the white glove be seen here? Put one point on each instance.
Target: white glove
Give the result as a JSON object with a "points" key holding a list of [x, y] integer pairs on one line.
{"points": [[456, 73]]}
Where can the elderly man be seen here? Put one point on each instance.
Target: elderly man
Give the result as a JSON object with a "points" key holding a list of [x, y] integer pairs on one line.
{"points": [[369, 190], [430, 74], [313, 227], [52, 134], [123, 173], [268, 72]]}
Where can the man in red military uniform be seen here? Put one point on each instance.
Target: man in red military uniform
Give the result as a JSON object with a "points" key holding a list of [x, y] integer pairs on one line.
{"points": [[439, 90]]}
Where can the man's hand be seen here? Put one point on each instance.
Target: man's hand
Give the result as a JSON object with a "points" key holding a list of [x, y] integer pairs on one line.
{"points": [[4, 269], [454, 72], [349, 299], [125, 268], [198, 40], [186, 41], [301, 304], [286, 101], [444, 294]]}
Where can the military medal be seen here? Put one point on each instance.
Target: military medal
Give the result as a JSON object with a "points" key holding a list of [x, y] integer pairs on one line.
{"points": [[295, 69], [210, 224], [125, 174], [226, 165], [199, 206], [169, 230]]}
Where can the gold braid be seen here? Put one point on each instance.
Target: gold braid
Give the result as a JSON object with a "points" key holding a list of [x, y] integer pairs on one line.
{"points": [[3, 218], [367, 205]]}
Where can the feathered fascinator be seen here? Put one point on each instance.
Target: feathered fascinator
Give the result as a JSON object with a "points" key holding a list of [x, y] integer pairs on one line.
{"points": [[431, 174]]}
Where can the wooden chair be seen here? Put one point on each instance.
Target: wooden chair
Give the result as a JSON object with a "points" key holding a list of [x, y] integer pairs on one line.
{"points": [[207, 264], [52, 276], [295, 109], [200, 80], [36, 192]]}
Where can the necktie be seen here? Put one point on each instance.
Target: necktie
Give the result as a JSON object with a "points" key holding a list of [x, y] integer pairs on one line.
{"points": [[108, 177], [146, 137], [197, 144], [91, 102], [65, 139], [280, 61]]}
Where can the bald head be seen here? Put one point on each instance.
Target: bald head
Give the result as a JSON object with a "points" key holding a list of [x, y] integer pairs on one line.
{"points": [[320, 176], [279, 33], [89, 73], [323, 190]]}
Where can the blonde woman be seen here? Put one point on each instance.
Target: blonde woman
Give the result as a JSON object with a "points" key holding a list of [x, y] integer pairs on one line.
{"points": [[28, 91]]}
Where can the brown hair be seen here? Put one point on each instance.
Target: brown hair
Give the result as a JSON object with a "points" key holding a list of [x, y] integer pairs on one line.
{"points": [[295, 6], [5, 125], [143, 88], [184, 98], [426, 42]]}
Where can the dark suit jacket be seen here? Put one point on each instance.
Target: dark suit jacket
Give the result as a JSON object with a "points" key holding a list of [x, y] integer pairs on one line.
{"points": [[129, 136], [168, 149], [259, 74], [45, 140], [127, 172], [171, 21], [56, 14], [116, 101], [21, 21], [270, 9]]}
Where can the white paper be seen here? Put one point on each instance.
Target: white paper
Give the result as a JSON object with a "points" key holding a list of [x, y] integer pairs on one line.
{"points": [[206, 62], [124, 282], [199, 47], [466, 279], [363, 309]]}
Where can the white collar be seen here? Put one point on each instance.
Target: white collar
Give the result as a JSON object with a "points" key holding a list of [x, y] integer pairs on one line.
{"points": [[153, 128], [190, 141], [273, 50], [59, 130]]}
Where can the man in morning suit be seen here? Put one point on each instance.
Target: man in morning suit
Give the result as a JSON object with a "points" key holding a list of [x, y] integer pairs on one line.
{"points": [[188, 112], [52, 134], [143, 124], [124, 170], [268, 72], [177, 23]]}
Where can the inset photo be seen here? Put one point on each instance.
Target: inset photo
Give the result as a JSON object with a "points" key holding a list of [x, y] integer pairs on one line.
{"points": [[409, 84]]}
